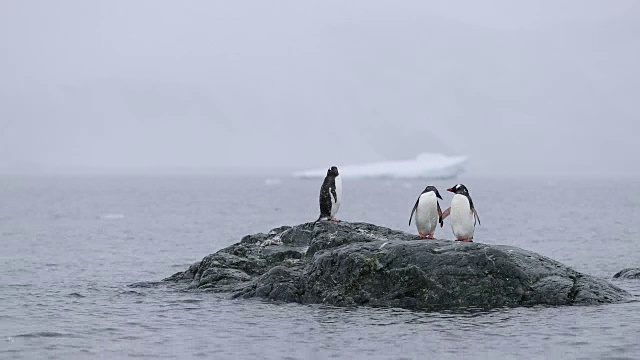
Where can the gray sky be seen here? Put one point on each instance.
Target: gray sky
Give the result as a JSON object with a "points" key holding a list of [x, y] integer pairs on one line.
{"points": [[542, 87]]}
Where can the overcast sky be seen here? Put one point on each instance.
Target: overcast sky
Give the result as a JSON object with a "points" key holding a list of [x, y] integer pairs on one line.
{"points": [[535, 87]]}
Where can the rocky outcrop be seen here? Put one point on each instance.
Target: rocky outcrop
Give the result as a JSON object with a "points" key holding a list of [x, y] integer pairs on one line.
{"points": [[628, 273], [348, 264]]}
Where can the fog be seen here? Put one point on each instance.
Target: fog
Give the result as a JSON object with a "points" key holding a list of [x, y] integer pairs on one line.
{"points": [[522, 88]]}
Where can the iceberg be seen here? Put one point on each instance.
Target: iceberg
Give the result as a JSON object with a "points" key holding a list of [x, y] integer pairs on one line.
{"points": [[424, 166]]}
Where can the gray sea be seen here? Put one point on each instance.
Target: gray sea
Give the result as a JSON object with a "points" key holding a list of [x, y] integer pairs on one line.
{"points": [[70, 247]]}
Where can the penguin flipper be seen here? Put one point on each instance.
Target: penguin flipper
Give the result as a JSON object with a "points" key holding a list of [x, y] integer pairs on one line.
{"points": [[446, 213], [475, 216], [473, 210], [440, 215], [325, 203], [415, 207]]}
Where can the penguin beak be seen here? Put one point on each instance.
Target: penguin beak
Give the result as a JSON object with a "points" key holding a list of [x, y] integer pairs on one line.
{"points": [[438, 195], [451, 189]]}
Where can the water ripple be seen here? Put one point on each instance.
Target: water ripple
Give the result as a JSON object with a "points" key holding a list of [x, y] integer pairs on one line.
{"points": [[45, 334]]}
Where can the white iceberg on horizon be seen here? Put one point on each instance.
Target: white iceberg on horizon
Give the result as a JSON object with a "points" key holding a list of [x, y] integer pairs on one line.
{"points": [[424, 166]]}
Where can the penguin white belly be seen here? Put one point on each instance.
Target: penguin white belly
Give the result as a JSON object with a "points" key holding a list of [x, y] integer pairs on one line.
{"points": [[461, 217], [427, 213], [335, 204]]}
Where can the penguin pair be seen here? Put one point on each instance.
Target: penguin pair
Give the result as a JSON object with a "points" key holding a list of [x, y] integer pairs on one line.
{"points": [[428, 213]]}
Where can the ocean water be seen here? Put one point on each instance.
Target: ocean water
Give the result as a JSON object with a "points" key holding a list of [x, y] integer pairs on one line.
{"points": [[70, 247]]}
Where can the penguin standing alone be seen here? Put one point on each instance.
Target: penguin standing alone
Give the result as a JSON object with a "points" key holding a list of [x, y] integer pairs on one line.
{"points": [[428, 213], [463, 214], [330, 195]]}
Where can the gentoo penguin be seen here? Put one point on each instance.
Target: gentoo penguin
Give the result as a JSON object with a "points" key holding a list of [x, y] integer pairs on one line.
{"points": [[330, 195], [428, 213], [463, 214]]}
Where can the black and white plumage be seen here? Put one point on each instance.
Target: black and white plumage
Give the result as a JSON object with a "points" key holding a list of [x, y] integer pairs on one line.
{"points": [[330, 195], [428, 212], [463, 214]]}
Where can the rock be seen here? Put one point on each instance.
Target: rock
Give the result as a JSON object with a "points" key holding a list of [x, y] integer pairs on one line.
{"points": [[628, 273], [348, 264]]}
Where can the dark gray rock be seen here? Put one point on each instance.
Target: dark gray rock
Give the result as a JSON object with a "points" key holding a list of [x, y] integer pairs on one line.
{"points": [[348, 264], [628, 273]]}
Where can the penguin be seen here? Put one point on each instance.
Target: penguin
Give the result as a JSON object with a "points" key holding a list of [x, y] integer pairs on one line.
{"points": [[463, 214], [428, 213], [330, 195]]}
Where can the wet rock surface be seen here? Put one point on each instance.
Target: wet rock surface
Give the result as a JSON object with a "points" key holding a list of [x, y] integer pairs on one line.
{"points": [[628, 273], [347, 264]]}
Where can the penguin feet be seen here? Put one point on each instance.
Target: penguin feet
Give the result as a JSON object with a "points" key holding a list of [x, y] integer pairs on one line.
{"points": [[334, 219], [427, 236], [465, 240]]}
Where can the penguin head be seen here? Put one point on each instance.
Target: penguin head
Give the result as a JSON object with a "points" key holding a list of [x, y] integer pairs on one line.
{"points": [[333, 171], [459, 189], [432, 188]]}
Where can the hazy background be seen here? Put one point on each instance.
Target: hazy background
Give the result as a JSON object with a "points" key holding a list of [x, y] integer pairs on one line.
{"points": [[544, 87]]}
